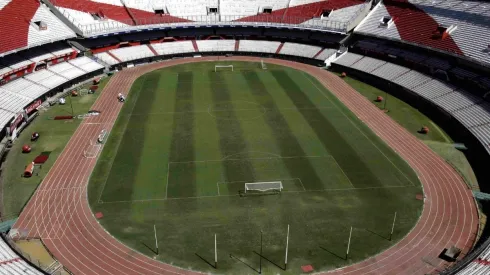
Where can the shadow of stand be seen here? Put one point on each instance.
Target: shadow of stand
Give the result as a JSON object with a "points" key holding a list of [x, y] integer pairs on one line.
{"points": [[340, 257], [149, 248], [206, 261], [263, 257], [233, 257]]}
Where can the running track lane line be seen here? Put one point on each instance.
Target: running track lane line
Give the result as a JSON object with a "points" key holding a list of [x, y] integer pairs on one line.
{"points": [[84, 247]]}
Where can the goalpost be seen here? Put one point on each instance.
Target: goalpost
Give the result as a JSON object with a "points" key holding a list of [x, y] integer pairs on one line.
{"points": [[263, 65], [216, 67], [263, 186]]}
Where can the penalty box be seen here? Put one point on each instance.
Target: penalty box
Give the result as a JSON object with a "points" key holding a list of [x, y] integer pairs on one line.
{"points": [[228, 177]]}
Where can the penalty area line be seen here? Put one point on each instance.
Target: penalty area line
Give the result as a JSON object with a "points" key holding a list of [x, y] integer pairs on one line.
{"points": [[237, 195]]}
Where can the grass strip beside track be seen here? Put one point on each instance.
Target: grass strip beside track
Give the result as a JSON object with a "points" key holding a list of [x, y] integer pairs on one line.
{"points": [[54, 134]]}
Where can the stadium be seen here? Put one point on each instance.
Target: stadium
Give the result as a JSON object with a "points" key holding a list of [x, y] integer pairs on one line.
{"points": [[244, 137]]}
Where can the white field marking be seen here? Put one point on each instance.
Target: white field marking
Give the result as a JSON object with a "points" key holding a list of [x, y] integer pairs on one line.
{"points": [[244, 109], [299, 179], [119, 143], [301, 182], [264, 180], [338, 108], [307, 191], [244, 159], [247, 152], [440, 131], [342, 170], [166, 187]]}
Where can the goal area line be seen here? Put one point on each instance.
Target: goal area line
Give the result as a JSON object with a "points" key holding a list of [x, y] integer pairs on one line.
{"points": [[237, 195]]}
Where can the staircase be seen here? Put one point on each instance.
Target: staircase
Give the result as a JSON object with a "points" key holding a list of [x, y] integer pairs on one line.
{"points": [[152, 50], [237, 45], [279, 48], [194, 44], [319, 52], [130, 13], [113, 56]]}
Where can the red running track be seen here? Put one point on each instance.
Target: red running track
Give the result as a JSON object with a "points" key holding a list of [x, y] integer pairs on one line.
{"points": [[59, 213]]}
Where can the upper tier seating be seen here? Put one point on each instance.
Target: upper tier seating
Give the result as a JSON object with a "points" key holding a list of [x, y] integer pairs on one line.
{"points": [[102, 16], [417, 21], [19, 19]]}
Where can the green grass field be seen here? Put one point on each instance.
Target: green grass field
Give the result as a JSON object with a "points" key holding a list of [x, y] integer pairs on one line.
{"points": [[54, 134], [187, 140], [412, 120]]}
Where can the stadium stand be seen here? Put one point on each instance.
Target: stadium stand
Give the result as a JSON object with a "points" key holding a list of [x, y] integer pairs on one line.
{"points": [[10, 263], [29, 24], [34, 85], [132, 53], [86, 64], [26, 88], [470, 110], [168, 48], [258, 46], [98, 17], [106, 58], [66, 70], [449, 25], [116, 56], [299, 50], [216, 45], [12, 102], [326, 53]]}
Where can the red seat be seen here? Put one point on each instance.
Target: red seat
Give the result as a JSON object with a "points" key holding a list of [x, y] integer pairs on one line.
{"points": [[16, 17], [414, 25]]}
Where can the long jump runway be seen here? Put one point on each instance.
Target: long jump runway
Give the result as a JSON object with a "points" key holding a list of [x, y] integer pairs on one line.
{"points": [[59, 213]]}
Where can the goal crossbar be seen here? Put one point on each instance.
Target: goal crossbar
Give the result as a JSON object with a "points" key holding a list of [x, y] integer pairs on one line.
{"points": [[222, 66], [263, 186]]}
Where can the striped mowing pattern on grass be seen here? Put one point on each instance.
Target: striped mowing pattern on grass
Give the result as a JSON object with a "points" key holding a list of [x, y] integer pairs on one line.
{"points": [[195, 136]]}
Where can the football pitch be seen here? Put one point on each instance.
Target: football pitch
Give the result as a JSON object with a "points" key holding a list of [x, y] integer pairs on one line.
{"points": [[189, 138]]}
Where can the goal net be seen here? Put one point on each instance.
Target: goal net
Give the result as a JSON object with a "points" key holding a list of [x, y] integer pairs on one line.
{"points": [[263, 186], [220, 67]]}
